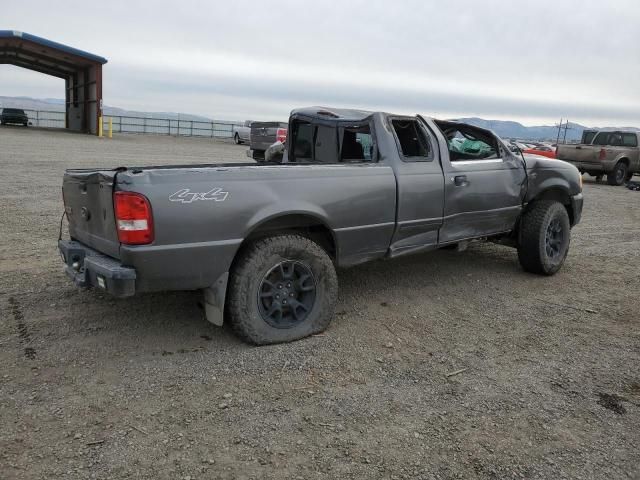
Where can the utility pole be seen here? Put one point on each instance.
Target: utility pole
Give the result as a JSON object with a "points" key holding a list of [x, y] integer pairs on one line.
{"points": [[559, 130], [559, 127], [566, 127]]}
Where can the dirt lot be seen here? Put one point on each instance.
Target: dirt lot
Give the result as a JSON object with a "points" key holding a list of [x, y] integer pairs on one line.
{"points": [[92, 387]]}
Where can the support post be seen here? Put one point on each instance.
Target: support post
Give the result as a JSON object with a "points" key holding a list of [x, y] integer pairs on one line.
{"points": [[100, 126], [110, 134]]}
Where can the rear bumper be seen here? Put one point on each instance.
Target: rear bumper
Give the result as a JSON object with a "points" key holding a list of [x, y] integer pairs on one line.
{"points": [[576, 207], [88, 268]]}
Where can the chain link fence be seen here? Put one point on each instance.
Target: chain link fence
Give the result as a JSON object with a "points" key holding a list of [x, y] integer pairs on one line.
{"points": [[142, 125]]}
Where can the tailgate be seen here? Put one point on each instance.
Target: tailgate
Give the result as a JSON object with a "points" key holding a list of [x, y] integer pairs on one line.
{"points": [[263, 134], [88, 202]]}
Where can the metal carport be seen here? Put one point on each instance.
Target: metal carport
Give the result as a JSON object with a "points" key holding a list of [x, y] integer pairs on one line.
{"points": [[81, 71]]}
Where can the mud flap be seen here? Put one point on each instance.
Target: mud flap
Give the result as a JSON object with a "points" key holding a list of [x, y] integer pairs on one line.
{"points": [[214, 297]]}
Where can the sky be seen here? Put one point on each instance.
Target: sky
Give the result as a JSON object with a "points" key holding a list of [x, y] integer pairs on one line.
{"points": [[531, 62]]}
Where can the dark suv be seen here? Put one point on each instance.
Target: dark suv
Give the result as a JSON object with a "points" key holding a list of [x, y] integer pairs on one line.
{"points": [[14, 115]]}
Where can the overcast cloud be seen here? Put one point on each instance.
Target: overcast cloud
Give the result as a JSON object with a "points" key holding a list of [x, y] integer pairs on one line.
{"points": [[532, 62]]}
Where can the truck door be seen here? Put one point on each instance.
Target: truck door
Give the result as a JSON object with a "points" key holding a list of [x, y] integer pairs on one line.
{"points": [[590, 154], [484, 184], [420, 186]]}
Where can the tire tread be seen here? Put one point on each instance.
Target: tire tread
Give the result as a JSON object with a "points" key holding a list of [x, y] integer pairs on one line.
{"points": [[249, 262], [531, 226]]}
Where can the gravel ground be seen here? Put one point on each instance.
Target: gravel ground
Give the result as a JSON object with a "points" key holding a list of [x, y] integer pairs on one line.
{"points": [[92, 387]]}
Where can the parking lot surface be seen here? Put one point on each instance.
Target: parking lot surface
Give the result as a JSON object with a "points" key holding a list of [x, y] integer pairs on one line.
{"points": [[442, 365]]}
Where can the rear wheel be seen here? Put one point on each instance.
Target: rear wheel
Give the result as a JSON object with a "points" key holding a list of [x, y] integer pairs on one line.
{"points": [[618, 174], [545, 233], [281, 289]]}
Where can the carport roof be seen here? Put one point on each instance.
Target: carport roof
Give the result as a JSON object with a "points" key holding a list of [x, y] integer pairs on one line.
{"points": [[42, 55], [51, 44]]}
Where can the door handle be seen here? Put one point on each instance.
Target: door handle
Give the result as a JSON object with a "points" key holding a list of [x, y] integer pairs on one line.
{"points": [[460, 181]]}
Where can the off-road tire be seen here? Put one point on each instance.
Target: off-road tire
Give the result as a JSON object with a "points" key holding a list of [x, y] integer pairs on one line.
{"points": [[618, 174], [246, 278], [532, 248]]}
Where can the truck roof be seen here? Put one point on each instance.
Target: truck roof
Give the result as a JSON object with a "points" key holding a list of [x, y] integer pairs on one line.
{"points": [[328, 113]]}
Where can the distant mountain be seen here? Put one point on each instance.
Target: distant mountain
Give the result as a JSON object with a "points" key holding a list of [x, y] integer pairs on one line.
{"points": [[57, 105], [506, 129], [503, 128]]}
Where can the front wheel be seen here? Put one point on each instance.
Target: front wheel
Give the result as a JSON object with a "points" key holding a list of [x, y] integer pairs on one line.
{"points": [[545, 234], [236, 139], [281, 289], [618, 174]]}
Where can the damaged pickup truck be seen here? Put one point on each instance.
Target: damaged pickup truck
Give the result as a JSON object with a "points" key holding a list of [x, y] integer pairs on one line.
{"points": [[263, 240]]}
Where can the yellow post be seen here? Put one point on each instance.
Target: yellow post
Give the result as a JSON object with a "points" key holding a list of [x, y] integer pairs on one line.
{"points": [[100, 126], [110, 134]]}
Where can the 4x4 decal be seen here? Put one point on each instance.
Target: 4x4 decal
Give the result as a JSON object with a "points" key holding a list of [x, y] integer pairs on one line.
{"points": [[187, 196]]}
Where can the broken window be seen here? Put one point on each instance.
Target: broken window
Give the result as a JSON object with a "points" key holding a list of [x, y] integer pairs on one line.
{"points": [[356, 144], [331, 144], [413, 141], [468, 143]]}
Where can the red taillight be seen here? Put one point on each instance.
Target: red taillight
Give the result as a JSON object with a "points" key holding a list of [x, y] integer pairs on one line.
{"points": [[133, 218], [281, 135], [603, 154]]}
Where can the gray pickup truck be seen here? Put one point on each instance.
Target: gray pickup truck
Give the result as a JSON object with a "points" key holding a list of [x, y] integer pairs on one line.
{"points": [[614, 153], [263, 240], [263, 135]]}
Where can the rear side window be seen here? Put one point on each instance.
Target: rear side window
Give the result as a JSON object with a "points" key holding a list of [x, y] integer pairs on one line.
{"points": [[303, 142], [629, 140], [331, 144], [414, 144], [615, 139], [356, 144]]}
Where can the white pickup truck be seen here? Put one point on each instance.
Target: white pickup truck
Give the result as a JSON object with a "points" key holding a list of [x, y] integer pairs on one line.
{"points": [[614, 153], [242, 133]]}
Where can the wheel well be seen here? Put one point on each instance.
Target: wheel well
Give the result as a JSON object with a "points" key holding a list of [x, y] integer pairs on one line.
{"points": [[306, 225], [558, 195], [624, 160]]}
